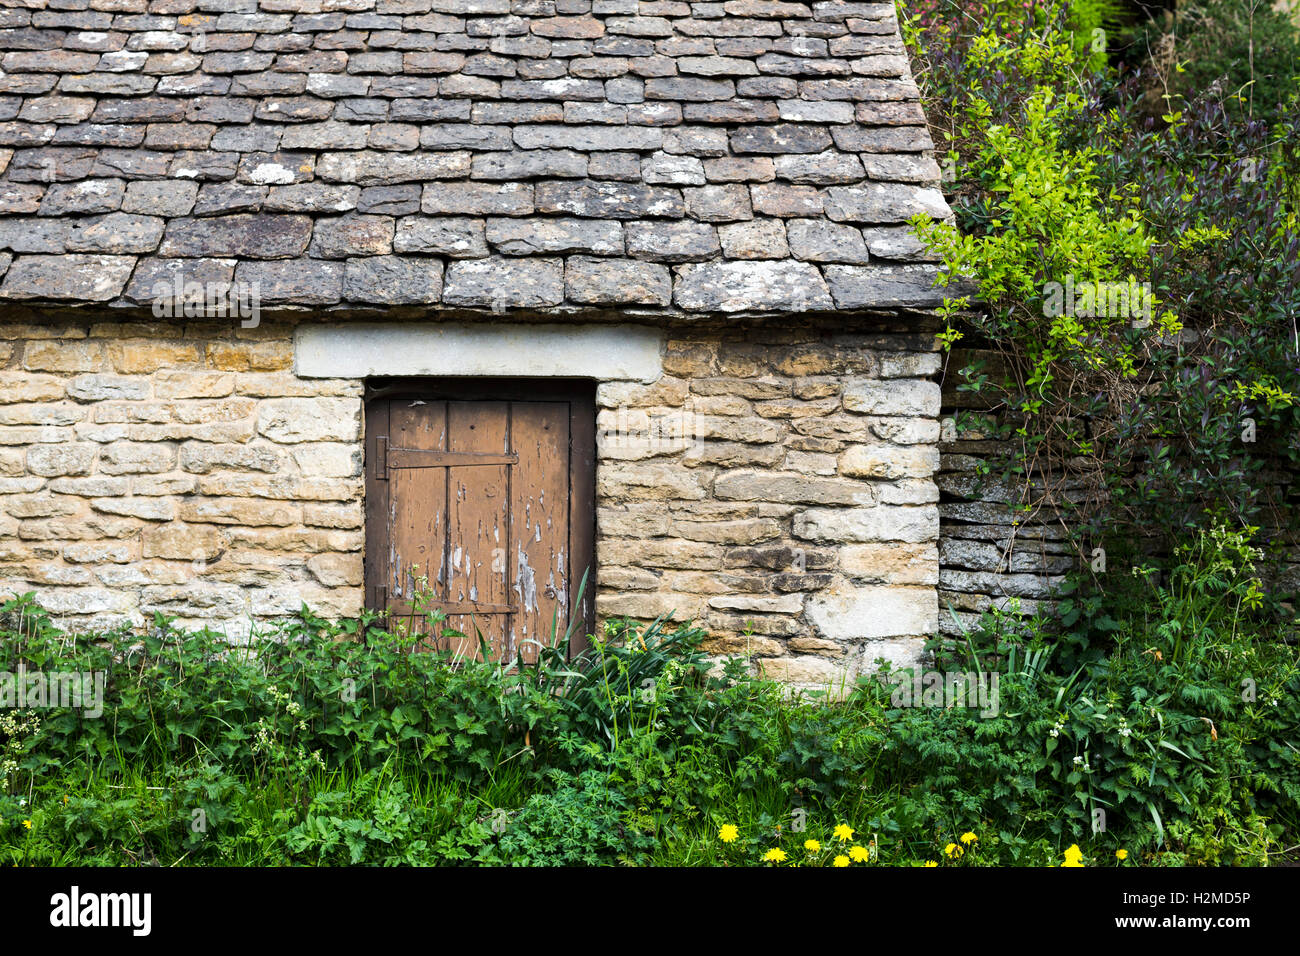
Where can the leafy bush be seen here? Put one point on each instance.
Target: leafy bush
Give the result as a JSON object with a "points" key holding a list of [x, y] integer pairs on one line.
{"points": [[310, 695], [1134, 431], [1245, 49], [1175, 742], [1178, 727], [200, 730], [580, 823], [372, 822]]}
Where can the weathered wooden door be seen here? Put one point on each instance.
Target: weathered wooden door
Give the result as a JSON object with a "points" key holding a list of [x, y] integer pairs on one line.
{"points": [[485, 489]]}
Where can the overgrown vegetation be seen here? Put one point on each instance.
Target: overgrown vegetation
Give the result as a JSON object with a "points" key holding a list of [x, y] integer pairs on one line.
{"points": [[1134, 418], [1164, 434], [325, 743], [1246, 49]]}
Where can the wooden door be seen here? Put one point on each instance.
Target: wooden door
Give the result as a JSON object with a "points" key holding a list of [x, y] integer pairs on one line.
{"points": [[485, 489]]}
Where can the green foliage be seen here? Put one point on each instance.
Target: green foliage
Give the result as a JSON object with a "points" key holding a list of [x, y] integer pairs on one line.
{"points": [[371, 822], [1177, 722], [331, 742], [827, 751], [612, 690], [580, 823], [1247, 49], [1137, 430], [310, 695], [1177, 742], [1093, 24], [207, 736], [1043, 214]]}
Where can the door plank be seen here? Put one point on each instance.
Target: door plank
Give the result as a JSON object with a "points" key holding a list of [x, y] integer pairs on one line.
{"points": [[539, 524], [417, 507], [478, 508], [419, 458]]}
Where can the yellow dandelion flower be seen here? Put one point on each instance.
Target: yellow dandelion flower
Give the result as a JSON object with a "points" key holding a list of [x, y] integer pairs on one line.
{"points": [[812, 846], [1073, 856], [844, 833], [931, 863], [841, 860], [27, 824], [968, 838], [728, 833], [774, 855], [859, 854], [1121, 854], [953, 851]]}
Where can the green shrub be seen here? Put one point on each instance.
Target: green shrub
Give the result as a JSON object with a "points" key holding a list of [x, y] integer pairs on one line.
{"points": [[1176, 741], [1162, 722], [372, 822], [1243, 48], [1133, 431], [580, 823], [310, 695]]}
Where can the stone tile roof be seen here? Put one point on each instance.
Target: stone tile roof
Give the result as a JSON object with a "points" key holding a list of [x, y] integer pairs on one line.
{"points": [[540, 155]]}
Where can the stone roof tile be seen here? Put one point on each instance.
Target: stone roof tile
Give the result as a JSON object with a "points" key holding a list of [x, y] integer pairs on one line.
{"points": [[653, 155]]}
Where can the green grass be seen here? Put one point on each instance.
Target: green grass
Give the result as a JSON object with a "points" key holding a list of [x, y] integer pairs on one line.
{"points": [[138, 820]]}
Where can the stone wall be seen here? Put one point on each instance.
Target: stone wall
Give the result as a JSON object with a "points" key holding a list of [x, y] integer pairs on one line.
{"points": [[186, 469], [171, 468], [803, 528], [989, 557]]}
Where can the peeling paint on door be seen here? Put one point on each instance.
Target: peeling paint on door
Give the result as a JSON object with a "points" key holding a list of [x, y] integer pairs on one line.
{"points": [[482, 491]]}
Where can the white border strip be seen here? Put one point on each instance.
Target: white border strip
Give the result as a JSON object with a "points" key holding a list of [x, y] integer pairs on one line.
{"points": [[359, 350]]}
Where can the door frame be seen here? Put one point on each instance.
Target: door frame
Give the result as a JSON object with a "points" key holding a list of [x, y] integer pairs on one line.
{"points": [[580, 394]]}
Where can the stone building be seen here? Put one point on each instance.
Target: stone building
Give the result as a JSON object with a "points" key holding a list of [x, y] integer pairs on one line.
{"points": [[304, 300]]}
